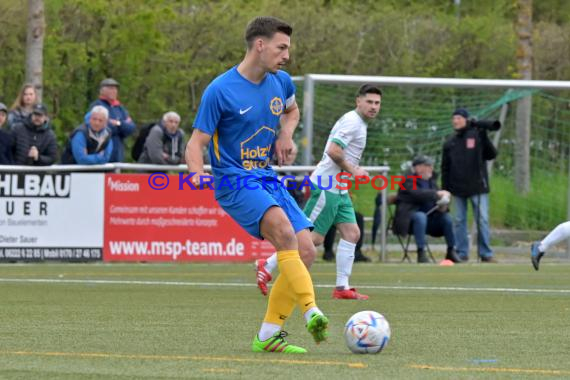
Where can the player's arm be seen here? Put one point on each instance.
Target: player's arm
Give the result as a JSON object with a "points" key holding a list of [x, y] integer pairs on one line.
{"points": [[336, 153], [194, 154], [284, 145]]}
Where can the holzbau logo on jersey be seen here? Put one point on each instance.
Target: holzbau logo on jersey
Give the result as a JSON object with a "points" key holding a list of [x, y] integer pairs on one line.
{"points": [[250, 182], [255, 150]]}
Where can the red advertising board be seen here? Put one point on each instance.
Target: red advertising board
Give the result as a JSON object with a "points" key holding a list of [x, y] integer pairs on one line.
{"points": [[144, 224]]}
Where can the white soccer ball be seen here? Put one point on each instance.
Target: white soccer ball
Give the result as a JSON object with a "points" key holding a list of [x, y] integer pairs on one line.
{"points": [[367, 332]]}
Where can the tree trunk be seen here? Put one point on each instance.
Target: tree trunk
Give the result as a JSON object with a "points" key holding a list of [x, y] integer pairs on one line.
{"points": [[35, 45], [524, 105]]}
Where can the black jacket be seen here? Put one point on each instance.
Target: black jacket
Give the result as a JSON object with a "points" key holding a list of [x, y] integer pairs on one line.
{"points": [[409, 201], [463, 165], [27, 135], [6, 142]]}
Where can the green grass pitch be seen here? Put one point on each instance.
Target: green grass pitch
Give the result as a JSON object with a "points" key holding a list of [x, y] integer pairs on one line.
{"points": [[147, 321]]}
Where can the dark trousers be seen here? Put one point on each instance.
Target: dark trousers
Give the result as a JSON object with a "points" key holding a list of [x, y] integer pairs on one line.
{"points": [[377, 217], [436, 224]]}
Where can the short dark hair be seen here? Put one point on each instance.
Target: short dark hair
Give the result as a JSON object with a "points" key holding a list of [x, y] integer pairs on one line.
{"points": [[265, 26], [368, 89]]}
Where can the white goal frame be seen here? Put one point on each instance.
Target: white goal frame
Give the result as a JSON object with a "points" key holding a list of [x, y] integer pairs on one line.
{"points": [[310, 80]]}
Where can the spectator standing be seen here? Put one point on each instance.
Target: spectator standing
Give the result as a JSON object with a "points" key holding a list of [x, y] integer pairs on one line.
{"points": [[22, 106], [120, 123], [464, 175]]}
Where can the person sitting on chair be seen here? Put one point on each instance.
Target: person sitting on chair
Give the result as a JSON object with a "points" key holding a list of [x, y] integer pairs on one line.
{"points": [[424, 210]]}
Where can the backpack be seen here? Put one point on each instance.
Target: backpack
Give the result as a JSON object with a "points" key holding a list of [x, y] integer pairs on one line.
{"points": [[138, 146]]}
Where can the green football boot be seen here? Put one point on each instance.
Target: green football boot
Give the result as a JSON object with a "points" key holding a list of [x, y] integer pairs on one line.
{"points": [[276, 343], [317, 326]]}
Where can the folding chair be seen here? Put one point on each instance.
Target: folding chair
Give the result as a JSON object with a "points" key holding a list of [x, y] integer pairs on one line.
{"points": [[392, 200]]}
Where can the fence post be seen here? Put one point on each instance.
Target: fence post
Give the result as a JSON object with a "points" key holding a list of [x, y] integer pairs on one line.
{"points": [[568, 209], [383, 221], [308, 106]]}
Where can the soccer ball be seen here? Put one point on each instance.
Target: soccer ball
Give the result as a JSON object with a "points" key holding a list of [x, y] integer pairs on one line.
{"points": [[367, 332]]}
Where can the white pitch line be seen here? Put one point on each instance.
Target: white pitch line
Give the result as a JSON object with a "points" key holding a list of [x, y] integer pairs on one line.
{"points": [[249, 285]]}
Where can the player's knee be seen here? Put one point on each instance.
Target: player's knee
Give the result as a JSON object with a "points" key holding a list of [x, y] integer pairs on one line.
{"points": [[276, 228], [351, 235], [308, 254], [285, 238]]}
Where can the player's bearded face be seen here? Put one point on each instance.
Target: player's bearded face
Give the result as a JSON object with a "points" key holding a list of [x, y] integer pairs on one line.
{"points": [[274, 52], [368, 105]]}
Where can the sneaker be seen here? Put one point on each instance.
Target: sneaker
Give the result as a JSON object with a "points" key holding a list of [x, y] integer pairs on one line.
{"points": [[348, 294], [535, 255], [317, 327], [263, 276], [276, 343], [489, 259]]}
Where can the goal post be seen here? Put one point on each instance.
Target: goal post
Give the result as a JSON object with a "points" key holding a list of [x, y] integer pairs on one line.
{"points": [[416, 118]]}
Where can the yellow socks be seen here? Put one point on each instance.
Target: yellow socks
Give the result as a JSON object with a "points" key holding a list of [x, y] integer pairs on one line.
{"points": [[293, 285], [281, 302], [299, 280]]}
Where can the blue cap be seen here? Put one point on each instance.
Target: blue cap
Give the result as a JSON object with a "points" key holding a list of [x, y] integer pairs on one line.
{"points": [[461, 112]]}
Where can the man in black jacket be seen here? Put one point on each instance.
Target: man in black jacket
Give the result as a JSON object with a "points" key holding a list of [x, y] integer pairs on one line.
{"points": [[464, 175], [421, 208], [34, 140]]}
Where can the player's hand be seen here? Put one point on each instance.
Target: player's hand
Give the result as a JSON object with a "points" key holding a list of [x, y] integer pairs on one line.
{"points": [[359, 172], [196, 178], [284, 147]]}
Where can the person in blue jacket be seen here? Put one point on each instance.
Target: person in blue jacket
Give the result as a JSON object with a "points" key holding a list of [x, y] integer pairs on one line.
{"points": [[119, 122], [90, 143]]}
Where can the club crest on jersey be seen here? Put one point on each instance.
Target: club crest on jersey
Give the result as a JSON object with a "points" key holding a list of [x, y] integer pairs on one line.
{"points": [[276, 106]]}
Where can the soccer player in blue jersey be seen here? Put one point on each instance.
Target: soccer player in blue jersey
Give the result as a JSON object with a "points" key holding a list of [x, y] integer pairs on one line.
{"points": [[246, 115]]}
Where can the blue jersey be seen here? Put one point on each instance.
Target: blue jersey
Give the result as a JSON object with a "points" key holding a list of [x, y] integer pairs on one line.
{"points": [[243, 119]]}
